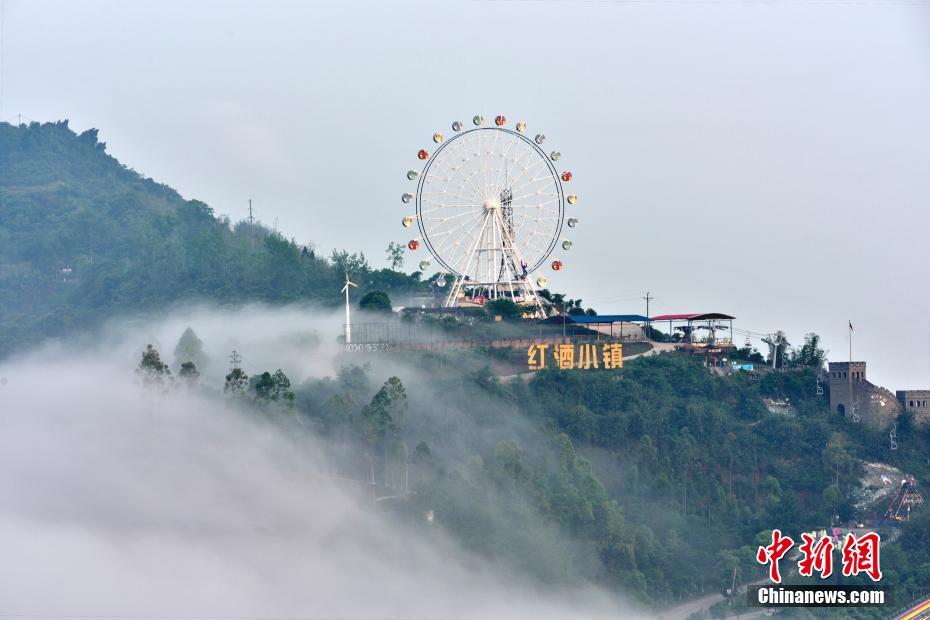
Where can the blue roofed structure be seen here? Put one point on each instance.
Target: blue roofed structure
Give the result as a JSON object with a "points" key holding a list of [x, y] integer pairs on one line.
{"points": [[584, 319]]}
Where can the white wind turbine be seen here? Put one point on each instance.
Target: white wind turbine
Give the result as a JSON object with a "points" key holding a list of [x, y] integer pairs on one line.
{"points": [[345, 289]]}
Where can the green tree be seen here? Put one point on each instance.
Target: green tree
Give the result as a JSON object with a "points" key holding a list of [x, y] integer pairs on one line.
{"points": [[189, 373], [810, 353], [152, 370], [395, 252], [375, 301], [380, 418], [337, 412], [422, 452], [506, 308], [779, 345], [836, 455], [352, 264], [273, 388], [236, 382], [728, 565], [558, 301], [190, 349], [386, 408]]}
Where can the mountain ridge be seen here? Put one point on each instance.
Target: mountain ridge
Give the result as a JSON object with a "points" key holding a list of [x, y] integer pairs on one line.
{"points": [[83, 236]]}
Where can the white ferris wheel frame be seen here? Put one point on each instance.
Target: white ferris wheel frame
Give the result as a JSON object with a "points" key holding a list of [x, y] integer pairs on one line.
{"points": [[490, 208]]}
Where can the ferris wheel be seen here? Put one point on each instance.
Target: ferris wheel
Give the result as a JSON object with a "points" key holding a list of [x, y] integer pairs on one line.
{"points": [[490, 209]]}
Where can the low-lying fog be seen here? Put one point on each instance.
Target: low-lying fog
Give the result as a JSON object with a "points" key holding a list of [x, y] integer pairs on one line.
{"points": [[119, 501]]}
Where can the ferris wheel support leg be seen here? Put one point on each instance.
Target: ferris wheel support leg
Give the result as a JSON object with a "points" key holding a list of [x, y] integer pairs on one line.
{"points": [[527, 286], [505, 259], [460, 280], [451, 297]]}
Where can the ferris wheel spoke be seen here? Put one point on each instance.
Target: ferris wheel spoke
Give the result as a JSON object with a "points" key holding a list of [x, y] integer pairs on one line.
{"points": [[525, 196], [503, 167], [494, 165], [467, 178], [477, 161], [449, 199], [509, 178], [485, 162], [448, 238], [433, 203], [473, 215], [487, 159], [523, 204], [473, 246], [442, 220], [453, 173], [429, 205], [444, 206], [539, 163], [430, 195], [472, 181]]}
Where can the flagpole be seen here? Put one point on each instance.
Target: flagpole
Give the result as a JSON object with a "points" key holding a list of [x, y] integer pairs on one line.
{"points": [[850, 341], [851, 405]]}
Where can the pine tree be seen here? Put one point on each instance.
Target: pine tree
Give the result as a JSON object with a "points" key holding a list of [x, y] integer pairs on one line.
{"points": [[190, 349], [152, 370]]}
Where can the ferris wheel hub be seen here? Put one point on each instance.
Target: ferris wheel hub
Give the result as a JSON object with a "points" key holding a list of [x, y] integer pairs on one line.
{"points": [[492, 204]]}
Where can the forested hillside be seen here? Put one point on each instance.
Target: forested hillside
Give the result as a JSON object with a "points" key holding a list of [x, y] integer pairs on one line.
{"points": [[83, 237], [658, 480], [655, 480]]}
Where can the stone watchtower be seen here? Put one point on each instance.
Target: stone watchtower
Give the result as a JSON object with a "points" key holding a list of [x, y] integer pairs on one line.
{"points": [[916, 402], [851, 394]]}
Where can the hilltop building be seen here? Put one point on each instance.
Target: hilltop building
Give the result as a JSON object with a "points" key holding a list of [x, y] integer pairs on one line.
{"points": [[916, 402], [852, 394]]}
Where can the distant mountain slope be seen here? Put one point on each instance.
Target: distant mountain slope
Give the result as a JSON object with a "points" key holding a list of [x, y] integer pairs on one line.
{"points": [[83, 237]]}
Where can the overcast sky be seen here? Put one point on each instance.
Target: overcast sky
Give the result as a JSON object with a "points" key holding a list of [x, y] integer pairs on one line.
{"points": [[769, 160]]}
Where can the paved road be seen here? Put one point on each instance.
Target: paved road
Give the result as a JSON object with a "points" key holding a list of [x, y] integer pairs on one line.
{"points": [[681, 612]]}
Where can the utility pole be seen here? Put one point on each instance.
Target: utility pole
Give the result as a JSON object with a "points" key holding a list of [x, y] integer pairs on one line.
{"points": [[235, 360], [648, 298], [251, 227], [772, 342]]}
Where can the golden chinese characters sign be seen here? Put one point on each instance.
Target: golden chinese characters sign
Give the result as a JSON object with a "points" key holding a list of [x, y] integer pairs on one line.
{"points": [[565, 356]]}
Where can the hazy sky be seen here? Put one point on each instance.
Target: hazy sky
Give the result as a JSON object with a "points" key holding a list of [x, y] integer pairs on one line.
{"points": [[767, 159]]}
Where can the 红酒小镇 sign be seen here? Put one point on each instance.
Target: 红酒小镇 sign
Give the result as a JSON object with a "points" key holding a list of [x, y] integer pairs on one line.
{"points": [[566, 356]]}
